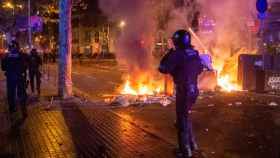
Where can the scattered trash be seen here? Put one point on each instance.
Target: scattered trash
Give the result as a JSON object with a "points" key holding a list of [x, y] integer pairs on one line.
{"points": [[230, 104], [108, 100], [123, 100], [126, 100], [165, 102], [211, 105], [206, 129], [273, 104], [238, 103], [213, 152]]}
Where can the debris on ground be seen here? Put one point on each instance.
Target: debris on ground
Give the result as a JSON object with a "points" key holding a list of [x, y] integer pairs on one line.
{"points": [[211, 105], [165, 102], [238, 103], [127, 100], [273, 104]]}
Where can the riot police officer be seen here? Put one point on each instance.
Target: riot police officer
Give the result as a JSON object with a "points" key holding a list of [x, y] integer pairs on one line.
{"points": [[184, 65], [35, 62], [15, 69]]}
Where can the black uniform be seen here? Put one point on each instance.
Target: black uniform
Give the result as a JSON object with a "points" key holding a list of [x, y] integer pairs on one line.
{"points": [[15, 69], [184, 65], [35, 63]]}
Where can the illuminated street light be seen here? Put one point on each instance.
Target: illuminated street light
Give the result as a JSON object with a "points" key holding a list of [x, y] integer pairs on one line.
{"points": [[8, 5], [20, 6], [122, 24]]}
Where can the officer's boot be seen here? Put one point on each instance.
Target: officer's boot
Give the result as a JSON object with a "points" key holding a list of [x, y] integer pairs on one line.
{"points": [[184, 151], [192, 142], [194, 146], [187, 152]]}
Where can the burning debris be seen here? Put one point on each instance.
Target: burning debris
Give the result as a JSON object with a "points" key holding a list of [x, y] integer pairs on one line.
{"points": [[127, 100]]}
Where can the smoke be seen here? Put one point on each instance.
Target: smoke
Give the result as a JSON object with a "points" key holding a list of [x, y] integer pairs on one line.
{"points": [[135, 44], [228, 37]]}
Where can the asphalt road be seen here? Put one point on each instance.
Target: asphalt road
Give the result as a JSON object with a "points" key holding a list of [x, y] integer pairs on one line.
{"points": [[94, 79]]}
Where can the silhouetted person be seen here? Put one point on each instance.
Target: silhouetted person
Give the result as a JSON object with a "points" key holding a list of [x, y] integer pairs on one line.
{"points": [[35, 63], [53, 55], [45, 57], [15, 70], [184, 65]]}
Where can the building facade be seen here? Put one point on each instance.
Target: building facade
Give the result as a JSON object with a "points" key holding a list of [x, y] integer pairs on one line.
{"points": [[271, 36], [92, 40]]}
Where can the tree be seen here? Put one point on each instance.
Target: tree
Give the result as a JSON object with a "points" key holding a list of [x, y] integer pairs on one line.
{"points": [[65, 46]]}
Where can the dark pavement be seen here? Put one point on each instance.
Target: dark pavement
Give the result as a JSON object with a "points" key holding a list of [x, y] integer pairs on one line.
{"points": [[67, 131], [227, 125]]}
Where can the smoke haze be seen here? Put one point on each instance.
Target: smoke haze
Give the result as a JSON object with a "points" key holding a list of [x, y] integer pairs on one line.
{"points": [[135, 44], [228, 38]]}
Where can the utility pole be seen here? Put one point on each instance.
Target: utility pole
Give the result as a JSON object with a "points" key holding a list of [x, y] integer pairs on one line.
{"points": [[29, 25], [65, 49]]}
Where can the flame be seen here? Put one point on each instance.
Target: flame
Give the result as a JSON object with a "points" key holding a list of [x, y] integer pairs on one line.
{"points": [[127, 89], [226, 84], [227, 74], [140, 89]]}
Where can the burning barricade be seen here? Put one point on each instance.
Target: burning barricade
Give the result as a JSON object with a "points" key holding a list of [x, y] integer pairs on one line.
{"points": [[144, 92]]}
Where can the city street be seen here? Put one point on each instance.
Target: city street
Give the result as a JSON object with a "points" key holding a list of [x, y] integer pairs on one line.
{"points": [[227, 125], [121, 78]]}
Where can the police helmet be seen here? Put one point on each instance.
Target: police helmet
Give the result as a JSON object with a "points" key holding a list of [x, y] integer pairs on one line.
{"points": [[181, 39]]}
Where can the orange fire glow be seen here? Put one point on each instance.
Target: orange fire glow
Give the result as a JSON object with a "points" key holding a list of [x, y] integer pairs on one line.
{"points": [[226, 84], [227, 73], [141, 89], [226, 79]]}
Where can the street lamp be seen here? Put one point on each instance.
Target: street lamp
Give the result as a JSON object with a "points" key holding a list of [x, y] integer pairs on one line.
{"points": [[20, 6], [8, 5], [122, 24]]}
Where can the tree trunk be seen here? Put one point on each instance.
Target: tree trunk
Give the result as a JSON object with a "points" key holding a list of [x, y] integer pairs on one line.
{"points": [[65, 48]]}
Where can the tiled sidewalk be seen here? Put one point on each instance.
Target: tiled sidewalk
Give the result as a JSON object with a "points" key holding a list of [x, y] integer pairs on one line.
{"points": [[66, 131]]}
